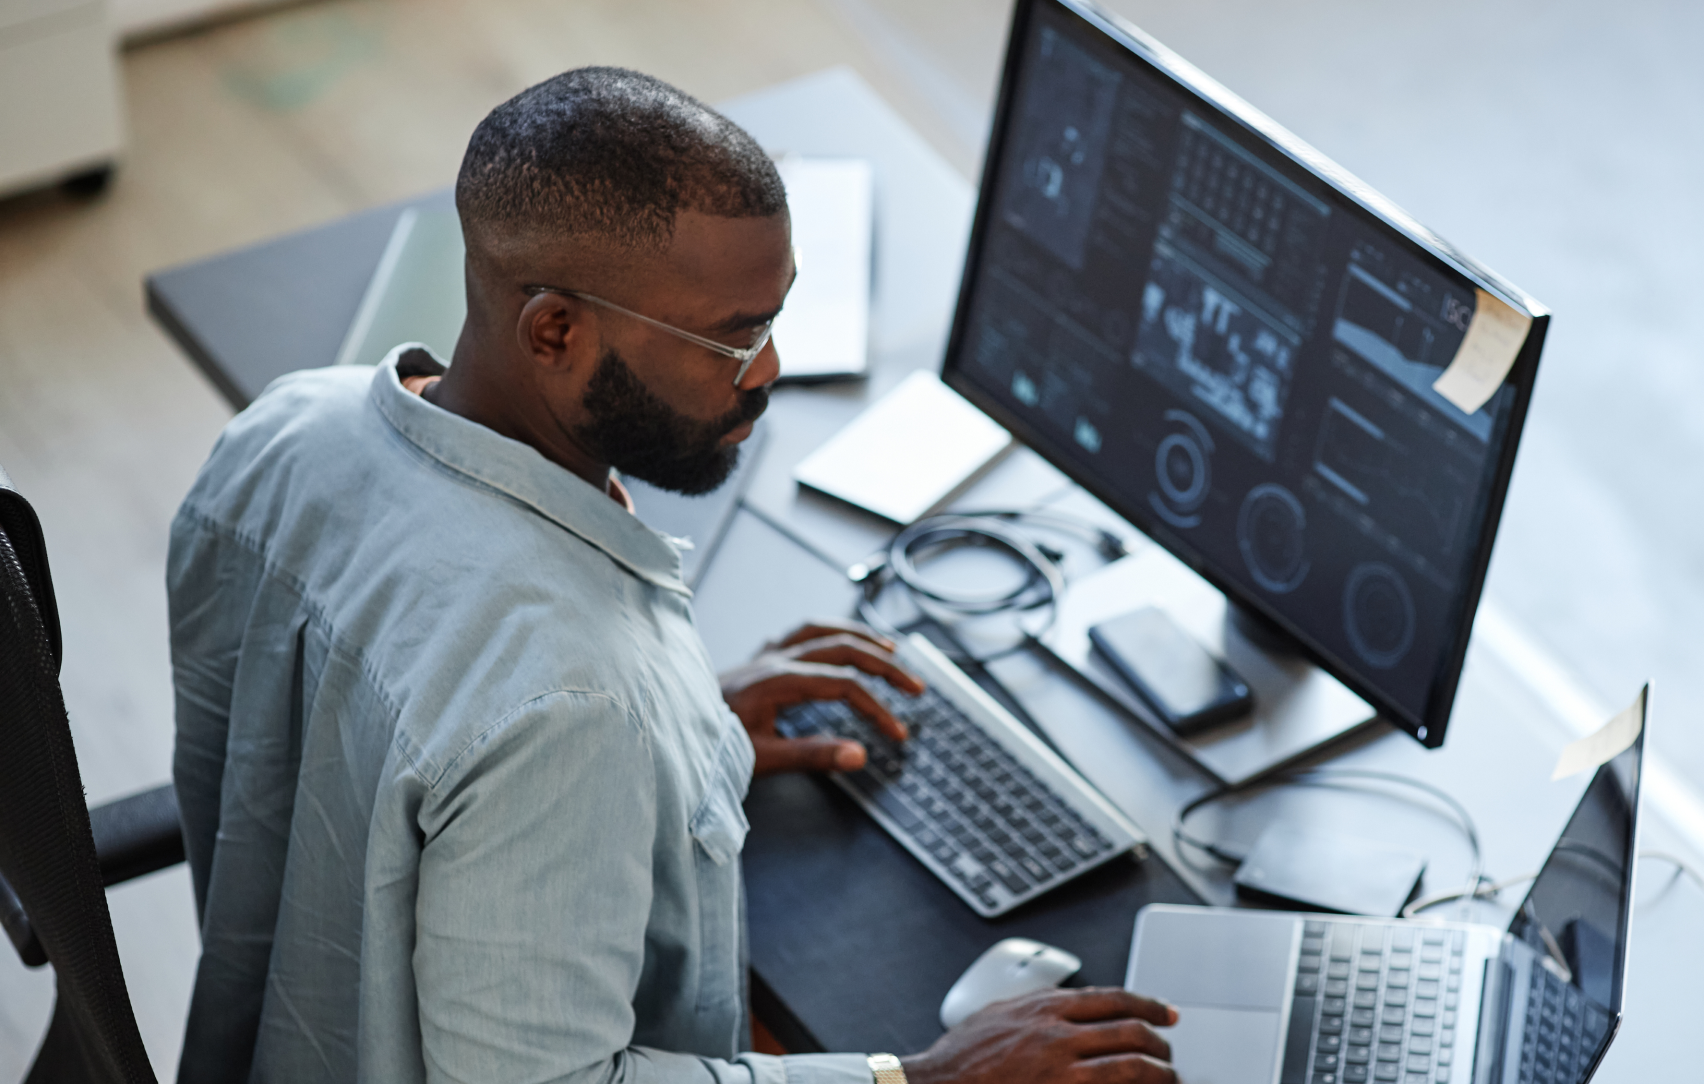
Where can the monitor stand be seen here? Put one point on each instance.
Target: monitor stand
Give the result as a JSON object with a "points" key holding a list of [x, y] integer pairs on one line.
{"points": [[1298, 707]]}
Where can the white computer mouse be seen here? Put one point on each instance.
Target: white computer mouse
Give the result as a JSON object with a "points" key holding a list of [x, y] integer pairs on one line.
{"points": [[1013, 967]]}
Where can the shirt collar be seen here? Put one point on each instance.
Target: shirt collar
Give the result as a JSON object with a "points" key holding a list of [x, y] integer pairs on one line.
{"points": [[519, 471]]}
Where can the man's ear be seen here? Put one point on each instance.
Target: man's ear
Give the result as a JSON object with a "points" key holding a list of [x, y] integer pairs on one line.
{"points": [[555, 332]]}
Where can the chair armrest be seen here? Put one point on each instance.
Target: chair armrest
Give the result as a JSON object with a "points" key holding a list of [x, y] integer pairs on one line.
{"points": [[133, 836], [137, 835]]}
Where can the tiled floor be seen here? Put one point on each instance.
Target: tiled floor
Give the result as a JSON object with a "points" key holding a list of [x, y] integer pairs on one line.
{"points": [[1557, 141]]}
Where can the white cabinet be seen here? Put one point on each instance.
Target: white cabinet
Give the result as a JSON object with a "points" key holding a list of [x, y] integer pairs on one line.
{"points": [[60, 109]]}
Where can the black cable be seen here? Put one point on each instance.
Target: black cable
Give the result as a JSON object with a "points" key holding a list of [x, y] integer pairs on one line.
{"points": [[1042, 586], [1327, 777]]}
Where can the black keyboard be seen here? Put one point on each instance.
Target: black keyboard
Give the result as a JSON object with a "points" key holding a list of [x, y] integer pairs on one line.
{"points": [[1563, 1031], [1375, 1003], [990, 810]]}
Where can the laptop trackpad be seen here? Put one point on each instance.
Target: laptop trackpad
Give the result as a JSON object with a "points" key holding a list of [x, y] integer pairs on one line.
{"points": [[1228, 973], [1223, 1046], [1232, 959]]}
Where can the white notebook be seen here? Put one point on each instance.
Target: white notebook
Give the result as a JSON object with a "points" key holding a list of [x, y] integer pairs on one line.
{"points": [[909, 453]]}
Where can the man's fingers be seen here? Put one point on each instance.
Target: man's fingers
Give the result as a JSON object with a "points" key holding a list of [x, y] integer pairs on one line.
{"points": [[777, 754], [1125, 1069], [1111, 1003], [828, 626], [1109, 1037], [847, 650]]}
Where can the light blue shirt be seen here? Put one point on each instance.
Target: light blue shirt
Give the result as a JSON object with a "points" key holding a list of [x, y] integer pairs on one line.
{"points": [[461, 797]]}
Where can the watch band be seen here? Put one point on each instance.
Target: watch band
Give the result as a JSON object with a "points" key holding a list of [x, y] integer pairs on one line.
{"points": [[887, 1069]]}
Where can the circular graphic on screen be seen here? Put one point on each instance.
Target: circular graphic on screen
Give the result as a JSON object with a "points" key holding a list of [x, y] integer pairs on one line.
{"points": [[1270, 533], [1378, 614], [1180, 466], [1183, 471]]}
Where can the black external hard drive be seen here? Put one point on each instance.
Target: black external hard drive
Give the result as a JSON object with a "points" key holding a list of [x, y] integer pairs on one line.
{"points": [[1326, 871]]}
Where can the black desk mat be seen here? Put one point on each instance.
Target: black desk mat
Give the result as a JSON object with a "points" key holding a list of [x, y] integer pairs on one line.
{"points": [[843, 916]]}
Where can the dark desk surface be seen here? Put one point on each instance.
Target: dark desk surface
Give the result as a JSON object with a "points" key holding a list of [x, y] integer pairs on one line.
{"points": [[838, 910]]}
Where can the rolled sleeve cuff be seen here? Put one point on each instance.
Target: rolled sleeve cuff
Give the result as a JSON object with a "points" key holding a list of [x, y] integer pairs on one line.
{"points": [[809, 1069]]}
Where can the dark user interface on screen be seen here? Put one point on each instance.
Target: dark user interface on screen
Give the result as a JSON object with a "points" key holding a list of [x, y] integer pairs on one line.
{"points": [[1576, 914], [1233, 351]]}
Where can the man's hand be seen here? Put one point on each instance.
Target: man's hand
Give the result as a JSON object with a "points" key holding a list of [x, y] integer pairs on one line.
{"points": [[820, 661], [1096, 1036]]}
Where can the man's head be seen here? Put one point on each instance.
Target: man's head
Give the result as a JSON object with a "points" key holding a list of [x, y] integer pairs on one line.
{"points": [[613, 184]]}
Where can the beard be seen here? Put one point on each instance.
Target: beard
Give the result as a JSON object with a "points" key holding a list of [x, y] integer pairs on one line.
{"points": [[641, 436]]}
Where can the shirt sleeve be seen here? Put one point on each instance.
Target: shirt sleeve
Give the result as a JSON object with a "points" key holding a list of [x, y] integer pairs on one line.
{"points": [[534, 896]]}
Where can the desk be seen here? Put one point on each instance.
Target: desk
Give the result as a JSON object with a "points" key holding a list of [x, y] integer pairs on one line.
{"points": [[839, 911]]}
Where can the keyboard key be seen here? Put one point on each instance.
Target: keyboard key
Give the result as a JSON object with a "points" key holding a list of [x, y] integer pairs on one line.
{"points": [[1007, 877], [1329, 1044], [1308, 962], [1390, 1033], [1325, 1078], [1307, 984], [1393, 1014], [1342, 942], [1325, 1061], [1338, 969], [1390, 1051], [1337, 987], [1361, 1036], [1331, 1025], [1420, 1044], [1355, 1074], [1419, 1063], [1362, 1018], [1366, 999], [1334, 1006], [1397, 978], [1387, 1071], [1358, 1055]]}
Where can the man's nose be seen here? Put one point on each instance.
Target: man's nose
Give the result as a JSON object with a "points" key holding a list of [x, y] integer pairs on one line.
{"points": [[764, 368]]}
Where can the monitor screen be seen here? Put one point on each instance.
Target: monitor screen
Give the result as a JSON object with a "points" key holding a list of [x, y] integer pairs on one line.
{"points": [[1233, 343]]}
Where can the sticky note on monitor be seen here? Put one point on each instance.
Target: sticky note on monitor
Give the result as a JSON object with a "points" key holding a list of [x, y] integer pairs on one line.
{"points": [[1487, 353], [1607, 741], [908, 454]]}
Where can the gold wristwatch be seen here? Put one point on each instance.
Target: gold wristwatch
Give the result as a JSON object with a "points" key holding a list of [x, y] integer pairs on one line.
{"points": [[887, 1069]]}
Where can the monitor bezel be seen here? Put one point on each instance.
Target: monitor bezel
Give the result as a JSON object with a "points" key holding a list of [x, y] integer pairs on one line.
{"points": [[1429, 726]]}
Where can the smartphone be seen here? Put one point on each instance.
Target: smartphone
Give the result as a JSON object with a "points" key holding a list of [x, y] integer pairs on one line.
{"points": [[1187, 686]]}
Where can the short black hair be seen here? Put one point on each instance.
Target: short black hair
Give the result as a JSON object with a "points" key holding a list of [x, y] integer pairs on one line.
{"points": [[613, 156]]}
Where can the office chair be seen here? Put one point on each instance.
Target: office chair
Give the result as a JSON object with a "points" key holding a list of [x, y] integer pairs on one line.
{"points": [[56, 855]]}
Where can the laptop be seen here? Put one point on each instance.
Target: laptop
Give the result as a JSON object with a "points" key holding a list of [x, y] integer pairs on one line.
{"points": [[1281, 998]]}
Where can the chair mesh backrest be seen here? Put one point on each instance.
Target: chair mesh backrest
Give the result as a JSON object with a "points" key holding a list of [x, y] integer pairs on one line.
{"points": [[47, 853]]}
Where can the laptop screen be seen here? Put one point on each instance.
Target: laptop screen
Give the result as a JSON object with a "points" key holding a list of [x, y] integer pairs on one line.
{"points": [[1579, 906]]}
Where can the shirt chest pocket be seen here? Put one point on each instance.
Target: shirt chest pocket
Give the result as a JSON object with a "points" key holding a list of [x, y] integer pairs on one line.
{"points": [[719, 829]]}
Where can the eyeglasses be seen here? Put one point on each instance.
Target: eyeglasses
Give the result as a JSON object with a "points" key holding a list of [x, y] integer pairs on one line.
{"points": [[744, 355]]}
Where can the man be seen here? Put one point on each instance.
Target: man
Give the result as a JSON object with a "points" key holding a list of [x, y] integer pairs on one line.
{"points": [[461, 793]]}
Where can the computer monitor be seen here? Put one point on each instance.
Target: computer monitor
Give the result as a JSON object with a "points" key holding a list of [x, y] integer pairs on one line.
{"points": [[1232, 343]]}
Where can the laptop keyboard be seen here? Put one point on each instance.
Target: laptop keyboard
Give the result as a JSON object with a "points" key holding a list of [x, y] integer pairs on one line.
{"points": [[997, 833], [1374, 1004], [1563, 1031]]}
